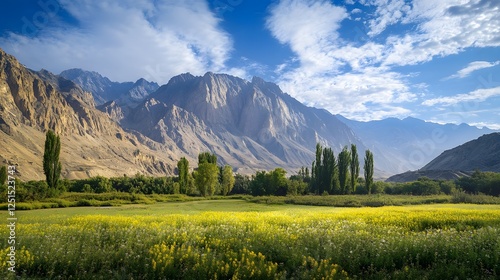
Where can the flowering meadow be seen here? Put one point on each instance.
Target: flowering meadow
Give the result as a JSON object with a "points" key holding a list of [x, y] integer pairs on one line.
{"points": [[285, 242]]}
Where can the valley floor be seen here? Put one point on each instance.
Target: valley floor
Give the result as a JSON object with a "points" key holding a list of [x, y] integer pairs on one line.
{"points": [[236, 239]]}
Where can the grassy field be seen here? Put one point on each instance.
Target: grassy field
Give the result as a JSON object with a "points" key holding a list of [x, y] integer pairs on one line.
{"points": [[236, 239]]}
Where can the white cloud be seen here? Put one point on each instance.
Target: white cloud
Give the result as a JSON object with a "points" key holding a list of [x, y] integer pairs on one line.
{"points": [[126, 40], [444, 28], [387, 13], [359, 80], [494, 126], [370, 94], [364, 92], [471, 67], [309, 28], [478, 95]]}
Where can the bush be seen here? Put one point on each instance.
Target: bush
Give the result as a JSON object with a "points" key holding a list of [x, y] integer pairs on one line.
{"points": [[481, 182]]}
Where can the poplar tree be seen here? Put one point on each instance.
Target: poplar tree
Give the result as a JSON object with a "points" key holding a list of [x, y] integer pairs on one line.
{"points": [[344, 161], [227, 180], [316, 169], [368, 170], [207, 175], [183, 169], [354, 167], [51, 163]]}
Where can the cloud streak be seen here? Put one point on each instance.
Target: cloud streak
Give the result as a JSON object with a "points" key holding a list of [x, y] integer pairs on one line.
{"points": [[478, 95], [471, 67]]}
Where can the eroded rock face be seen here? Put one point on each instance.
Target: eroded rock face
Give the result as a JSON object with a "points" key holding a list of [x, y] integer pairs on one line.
{"points": [[481, 154], [249, 124], [33, 102]]}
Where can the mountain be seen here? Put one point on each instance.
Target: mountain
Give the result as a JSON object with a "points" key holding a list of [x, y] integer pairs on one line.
{"points": [[141, 127], [250, 125], [480, 154], [411, 142], [104, 90], [92, 144]]}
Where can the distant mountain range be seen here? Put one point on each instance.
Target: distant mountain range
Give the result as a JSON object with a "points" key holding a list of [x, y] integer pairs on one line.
{"points": [[481, 154], [112, 128]]}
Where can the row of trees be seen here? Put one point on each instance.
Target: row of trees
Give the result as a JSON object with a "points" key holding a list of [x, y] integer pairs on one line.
{"points": [[339, 176], [328, 175], [208, 179]]}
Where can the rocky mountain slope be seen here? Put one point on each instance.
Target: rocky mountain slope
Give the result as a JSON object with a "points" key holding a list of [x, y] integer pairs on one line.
{"points": [[104, 90], [32, 102], [411, 143], [140, 127], [480, 154], [249, 124]]}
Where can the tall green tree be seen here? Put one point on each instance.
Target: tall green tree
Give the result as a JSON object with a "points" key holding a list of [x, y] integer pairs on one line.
{"points": [[227, 180], [3, 175], [51, 163], [344, 162], [324, 172], [368, 167], [207, 178], [183, 169], [207, 157], [316, 170], [327, 171], [354, 167], [207, 175]]}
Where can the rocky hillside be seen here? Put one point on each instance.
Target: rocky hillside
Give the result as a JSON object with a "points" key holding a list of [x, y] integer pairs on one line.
{"points": [[104, 90], [411, 143], [33, 102], [248, 124], [481, 154]]}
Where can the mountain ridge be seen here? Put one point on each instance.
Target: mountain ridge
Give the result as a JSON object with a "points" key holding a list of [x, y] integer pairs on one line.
{"points": [[32, 102], [251, 125], [481, 154]]}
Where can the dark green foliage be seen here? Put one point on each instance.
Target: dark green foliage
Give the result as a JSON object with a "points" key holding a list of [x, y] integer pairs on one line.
{"points": [[207, 175], [3, 175], [423, 186], [296, 187], [344, 163], [51, 163], [138, 184], [269, 183], [303, 174], [227, 182], [207, 157], [183, 170], [368, 170], [207, 178], [354, 167], [259, 183], [33, 191], [447, 187], [241, 184], [316, 170], [481, 182], [325, 173]]}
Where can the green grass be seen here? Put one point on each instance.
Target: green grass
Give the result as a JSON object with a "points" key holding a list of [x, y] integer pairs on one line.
{"points": [[202, 238]]}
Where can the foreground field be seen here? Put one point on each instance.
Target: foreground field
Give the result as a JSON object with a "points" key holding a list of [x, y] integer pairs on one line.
{"points": [[235, 239]]}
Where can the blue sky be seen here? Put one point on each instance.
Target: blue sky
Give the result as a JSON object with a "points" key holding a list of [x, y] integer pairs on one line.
{"points": [[368, 59]]}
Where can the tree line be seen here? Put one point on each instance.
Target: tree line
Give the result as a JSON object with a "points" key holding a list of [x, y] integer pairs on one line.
{"points": [[341, 175], [329, 174]]}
